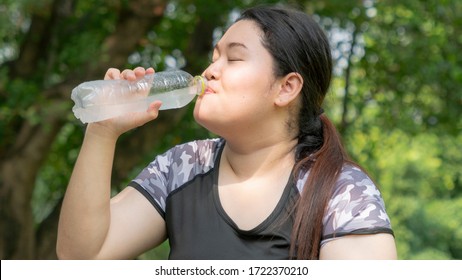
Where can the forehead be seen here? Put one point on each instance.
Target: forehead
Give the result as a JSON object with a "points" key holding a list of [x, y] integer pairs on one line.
{"points": [[245, 32]]}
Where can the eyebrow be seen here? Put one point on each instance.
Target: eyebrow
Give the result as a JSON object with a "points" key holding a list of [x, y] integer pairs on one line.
{"points": [[231, 45]]}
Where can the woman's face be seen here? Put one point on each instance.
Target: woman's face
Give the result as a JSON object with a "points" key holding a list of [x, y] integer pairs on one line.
{"points": [[241, 81]]}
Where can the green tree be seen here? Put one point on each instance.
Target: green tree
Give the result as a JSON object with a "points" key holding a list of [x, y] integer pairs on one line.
{"points": [[397, 99]]}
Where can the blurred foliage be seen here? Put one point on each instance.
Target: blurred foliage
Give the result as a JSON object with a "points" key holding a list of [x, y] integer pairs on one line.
{"points": [[396, 98], [399, 111]]}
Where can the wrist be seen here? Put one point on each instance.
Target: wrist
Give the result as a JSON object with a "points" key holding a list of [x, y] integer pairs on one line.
{"points": [[101, 131]]}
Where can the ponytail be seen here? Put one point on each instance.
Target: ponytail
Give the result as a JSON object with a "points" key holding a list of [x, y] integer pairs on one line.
{"points": [[324, 166]]}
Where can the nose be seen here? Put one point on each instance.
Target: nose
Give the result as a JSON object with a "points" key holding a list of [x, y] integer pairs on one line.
{"points": [[212, 71]]}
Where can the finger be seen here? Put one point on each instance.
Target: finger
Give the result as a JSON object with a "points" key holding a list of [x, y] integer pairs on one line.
{"points": [[150, 70], [150, 114], [139, 72], [112, 74], [153, 108], [128, 74]]}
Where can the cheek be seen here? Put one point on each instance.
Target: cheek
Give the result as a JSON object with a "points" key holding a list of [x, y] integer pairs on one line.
{"points": [[241, 92], [244, 87]]}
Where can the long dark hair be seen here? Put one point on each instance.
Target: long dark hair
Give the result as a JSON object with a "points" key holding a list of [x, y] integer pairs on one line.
{"points": [[298, 44]]}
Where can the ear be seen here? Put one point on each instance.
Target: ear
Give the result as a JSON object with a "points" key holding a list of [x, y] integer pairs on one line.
{"points": [[290, 88]]}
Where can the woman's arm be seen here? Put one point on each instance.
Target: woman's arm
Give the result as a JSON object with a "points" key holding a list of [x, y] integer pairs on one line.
{"points": [[379, 246], [92, 225]]}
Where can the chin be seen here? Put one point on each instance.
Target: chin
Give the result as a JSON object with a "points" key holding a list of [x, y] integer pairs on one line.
{"points": [[207, 122], [201, 117], [201, 113]]}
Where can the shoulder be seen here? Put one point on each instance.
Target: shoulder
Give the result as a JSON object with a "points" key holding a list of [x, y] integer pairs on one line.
{"points": [[201, 148], [188, 158], [175, 168], [349, 176], [191, 154], [356, 206], [354, 184]]}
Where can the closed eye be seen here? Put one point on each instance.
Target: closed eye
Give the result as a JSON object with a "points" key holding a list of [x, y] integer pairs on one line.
{"points": [[235, 59]]}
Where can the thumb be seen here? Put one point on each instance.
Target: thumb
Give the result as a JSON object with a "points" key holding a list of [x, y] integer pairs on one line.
{"points": [[153, 109], [151, 114]]}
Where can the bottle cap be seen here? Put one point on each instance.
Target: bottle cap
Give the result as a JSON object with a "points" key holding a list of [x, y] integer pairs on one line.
{"points": [[200, 84]]}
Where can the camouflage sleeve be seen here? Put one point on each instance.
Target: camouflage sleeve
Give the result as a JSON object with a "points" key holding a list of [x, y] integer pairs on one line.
{"points": [[356, 207], [173, 169]]}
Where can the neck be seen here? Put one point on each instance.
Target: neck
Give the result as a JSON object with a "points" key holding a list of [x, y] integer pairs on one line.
{"points": [[260, 157]]}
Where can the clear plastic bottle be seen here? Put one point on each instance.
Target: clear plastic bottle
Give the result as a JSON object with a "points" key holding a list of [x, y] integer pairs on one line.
{"points": [[104, 99]]}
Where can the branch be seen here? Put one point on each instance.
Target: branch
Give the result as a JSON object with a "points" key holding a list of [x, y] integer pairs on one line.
{"points": [[132, 26], [38, 44]]}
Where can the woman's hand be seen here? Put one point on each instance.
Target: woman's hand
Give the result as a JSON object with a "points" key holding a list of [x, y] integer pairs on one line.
{"points": [[116, 126]]}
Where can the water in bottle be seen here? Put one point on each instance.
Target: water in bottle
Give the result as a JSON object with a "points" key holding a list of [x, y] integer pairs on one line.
{"points": [[104, 99]]}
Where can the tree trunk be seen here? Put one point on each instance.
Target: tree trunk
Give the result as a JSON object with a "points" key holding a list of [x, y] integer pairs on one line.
{"points": [[18, 173]]}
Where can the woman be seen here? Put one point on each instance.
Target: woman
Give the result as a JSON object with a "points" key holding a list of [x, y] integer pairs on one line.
{"points": [[277, 184]]}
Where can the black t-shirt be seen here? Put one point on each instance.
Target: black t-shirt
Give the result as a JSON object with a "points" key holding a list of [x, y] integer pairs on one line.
{"points": [[182, 185]]}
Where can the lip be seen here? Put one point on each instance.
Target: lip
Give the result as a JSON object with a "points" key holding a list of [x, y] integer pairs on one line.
{"points": [[209, 90]]}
